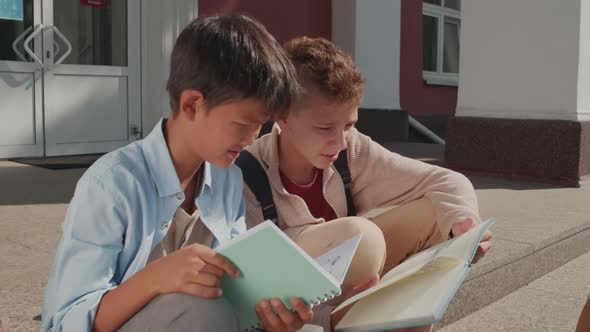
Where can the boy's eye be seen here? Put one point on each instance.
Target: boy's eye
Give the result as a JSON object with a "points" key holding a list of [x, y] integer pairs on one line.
{"points": [[324, 128], [241, 124]]}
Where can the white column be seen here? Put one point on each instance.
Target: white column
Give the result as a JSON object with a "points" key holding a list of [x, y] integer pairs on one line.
{"points": [[370, 31], [161, 23], [525, 59], [584, 67]]}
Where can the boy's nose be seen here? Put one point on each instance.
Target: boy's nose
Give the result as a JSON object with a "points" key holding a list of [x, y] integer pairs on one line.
{"points": [[249, 139], [341, 140]]}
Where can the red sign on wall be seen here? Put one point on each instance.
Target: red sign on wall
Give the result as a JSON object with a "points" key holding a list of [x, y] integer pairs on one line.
{"points": [[94, 3]]}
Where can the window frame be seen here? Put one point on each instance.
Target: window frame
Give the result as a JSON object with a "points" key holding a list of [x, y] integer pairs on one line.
{"points": [[440, 12]]}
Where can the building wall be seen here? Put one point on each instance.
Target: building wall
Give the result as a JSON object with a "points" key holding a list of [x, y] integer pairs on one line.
{"points": [[527, 66], [284, 19], [523, 88], [161, 22], [417, 97], [369, 31]]}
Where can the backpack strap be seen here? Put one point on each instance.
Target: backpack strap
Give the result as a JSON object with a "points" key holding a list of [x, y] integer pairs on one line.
{"points": [[341, 165], [256, 178]]}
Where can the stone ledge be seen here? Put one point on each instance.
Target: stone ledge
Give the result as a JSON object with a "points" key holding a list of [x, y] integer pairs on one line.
{"points": [[551, 151]]}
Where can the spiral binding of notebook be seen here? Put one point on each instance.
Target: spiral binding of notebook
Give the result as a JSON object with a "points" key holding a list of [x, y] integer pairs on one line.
{"points": [[318, 300], [327, 297]]}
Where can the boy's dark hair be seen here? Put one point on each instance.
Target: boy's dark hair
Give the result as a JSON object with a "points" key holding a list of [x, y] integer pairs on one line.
{"points": [[322, 65], [231, 57]]}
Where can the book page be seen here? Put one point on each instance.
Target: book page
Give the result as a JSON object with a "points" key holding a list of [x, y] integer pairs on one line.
{"points": [[454, 252], [413, 263], [337, 260], [464, 246], [405, 272], [410, 302]]}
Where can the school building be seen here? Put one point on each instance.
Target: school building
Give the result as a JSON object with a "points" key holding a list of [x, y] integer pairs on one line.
{"points": [[505, 83]]}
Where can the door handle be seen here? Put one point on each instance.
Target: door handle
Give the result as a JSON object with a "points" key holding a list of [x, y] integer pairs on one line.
{"points": [[37, 30], [65, 41], [56, 47], [17, 41]]}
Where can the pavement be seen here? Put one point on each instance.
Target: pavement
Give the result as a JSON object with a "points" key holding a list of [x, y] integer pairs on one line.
{"points": [[33, 202], [534, 278], [550, 303]]}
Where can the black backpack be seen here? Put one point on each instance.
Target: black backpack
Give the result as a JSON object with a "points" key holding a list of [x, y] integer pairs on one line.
{"points": [[255, 177]]}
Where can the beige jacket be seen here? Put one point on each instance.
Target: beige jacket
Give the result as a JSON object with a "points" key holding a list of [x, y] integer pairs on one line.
{"points": [[379, 178]]}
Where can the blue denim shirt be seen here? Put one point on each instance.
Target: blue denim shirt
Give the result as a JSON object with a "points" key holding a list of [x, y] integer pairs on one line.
{"points": [[122, 208]]}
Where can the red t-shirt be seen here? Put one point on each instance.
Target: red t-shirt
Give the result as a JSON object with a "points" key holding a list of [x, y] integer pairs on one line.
{"points": [[312, 194]]}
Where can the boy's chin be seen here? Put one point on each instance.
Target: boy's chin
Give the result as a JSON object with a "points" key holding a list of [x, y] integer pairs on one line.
{"points": [[322, 164], [223, 162]]}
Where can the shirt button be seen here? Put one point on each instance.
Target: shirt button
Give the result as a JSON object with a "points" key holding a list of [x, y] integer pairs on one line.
{"points": [[164, 224], [178, 196]]}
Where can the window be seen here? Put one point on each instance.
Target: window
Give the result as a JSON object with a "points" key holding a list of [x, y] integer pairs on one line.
{"points": [[441, 25]]}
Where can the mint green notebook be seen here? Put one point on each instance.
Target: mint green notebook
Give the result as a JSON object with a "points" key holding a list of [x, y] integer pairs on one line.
{"points": [[272, 266]]}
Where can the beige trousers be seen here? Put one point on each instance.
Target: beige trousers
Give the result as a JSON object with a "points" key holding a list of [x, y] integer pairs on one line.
{"points": [[408, 229], [370, 254]]}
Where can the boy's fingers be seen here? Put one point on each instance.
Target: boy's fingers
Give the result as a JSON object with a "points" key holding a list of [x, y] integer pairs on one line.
{"points": [[475, 259], [304, 312], [370, 283], [481, 250], [222, 262], [486, 236], [287, 317], [208, 255], [202, 291], [360, 287], [268, 318], [205, 279], [461, 227], [484, 247], [209, 268]]}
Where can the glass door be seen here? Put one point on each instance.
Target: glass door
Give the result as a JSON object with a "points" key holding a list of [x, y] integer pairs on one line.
{"points": [[92, 75], [21, 79]]}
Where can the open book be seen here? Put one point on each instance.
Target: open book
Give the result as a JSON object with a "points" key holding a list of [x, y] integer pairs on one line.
{"points": [[416, 292], [272, 266]]}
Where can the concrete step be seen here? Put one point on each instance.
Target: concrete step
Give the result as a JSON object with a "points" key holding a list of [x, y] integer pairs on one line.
{"points": [[550, 303], [511, 266]]}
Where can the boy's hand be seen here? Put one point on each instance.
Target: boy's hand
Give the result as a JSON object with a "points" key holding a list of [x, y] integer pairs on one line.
{"points": [[276, 317], [486, 241], [195, 270], [346, 294]]}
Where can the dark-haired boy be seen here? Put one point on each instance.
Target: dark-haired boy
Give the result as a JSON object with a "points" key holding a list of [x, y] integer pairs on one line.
{"points": [[136, 250]]}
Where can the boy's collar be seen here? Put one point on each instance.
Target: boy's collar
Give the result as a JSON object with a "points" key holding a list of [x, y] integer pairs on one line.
{"points": [[160, 163]]}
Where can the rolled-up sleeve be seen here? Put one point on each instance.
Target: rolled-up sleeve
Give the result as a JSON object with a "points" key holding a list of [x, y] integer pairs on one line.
{"points": [[86, 260], [383, 178]]}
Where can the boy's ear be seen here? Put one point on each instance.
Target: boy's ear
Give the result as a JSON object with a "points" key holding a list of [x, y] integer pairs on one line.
{"points": [[191, 102], [282, 120]]}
